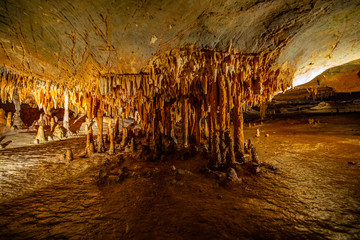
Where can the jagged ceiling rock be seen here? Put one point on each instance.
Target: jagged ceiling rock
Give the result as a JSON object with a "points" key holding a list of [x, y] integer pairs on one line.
{"points": [[72, 42]]}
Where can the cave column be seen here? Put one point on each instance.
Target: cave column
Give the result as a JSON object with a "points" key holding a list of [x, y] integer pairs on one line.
{"points": [[66, 124], [116, 128], [185, 121], [222, 118], [263, 107], [16, 118], [210, 130], [99, 122], [197, 126], [238, 124], [214, 134], [89, 140], [158, 147], [111, 136], [89, 122], [167, 122]]}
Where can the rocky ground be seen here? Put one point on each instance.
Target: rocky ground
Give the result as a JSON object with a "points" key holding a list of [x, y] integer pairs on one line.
{"points": [[311, 191]]}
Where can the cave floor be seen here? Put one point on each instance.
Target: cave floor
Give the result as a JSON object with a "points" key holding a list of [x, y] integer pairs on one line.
{"points": [[313, 194]]}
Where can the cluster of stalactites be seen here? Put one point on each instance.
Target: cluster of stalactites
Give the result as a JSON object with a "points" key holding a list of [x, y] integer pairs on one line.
{"points": [[185, 85], [38, 93], [201, 78]]}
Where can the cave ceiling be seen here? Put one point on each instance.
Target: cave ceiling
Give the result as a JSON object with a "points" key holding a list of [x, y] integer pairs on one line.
{"points": [[74, 42]]}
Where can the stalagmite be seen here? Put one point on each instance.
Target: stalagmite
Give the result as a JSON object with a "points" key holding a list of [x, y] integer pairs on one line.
{"points": [[132, 145], [40, 137], [257, 133], [111, 136], [9, 120], [69, 155], [52, 124], [90, 148], [58, 132], [124, 136]]}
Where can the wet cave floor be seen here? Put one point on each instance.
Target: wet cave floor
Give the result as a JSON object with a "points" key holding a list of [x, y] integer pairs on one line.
{"points": [[313, 194]]}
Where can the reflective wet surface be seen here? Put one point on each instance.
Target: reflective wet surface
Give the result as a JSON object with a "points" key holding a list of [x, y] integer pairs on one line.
{"points": [[313, 194]]}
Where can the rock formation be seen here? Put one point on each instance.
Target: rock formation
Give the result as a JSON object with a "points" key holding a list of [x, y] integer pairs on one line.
{"points": [[201, 71]]}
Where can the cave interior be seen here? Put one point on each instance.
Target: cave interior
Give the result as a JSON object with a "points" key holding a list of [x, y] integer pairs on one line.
{"points": [[180, 119]]}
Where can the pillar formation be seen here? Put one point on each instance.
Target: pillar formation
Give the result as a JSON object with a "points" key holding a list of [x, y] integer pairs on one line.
{"points": [[185, 121], [16, 118], [99, 122], [238, 125], [197, 125], [222, 118], [111, 136], [89, 140], [66, 124]]}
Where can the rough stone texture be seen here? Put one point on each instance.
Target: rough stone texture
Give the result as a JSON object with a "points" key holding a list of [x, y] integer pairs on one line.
{"points": [[66, 41]]}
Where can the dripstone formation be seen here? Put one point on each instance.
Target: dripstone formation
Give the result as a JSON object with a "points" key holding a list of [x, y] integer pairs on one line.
{"points": [[197, 88]]}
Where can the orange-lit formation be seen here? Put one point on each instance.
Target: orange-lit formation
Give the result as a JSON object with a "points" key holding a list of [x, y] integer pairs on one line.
{"points": [[200, 88]]}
